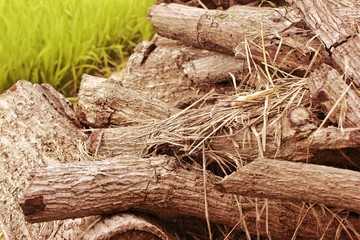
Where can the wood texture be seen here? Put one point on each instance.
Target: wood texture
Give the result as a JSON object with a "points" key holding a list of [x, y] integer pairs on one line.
{"points": [[128, 226], [104, 102], [164, 187], [294, 140], [326, 87], [274, 179], [176, 73], [340, 38], [34, 132], [238, 30]]}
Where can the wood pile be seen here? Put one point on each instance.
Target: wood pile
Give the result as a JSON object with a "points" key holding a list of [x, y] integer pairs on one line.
{"points": [[238, 120]]}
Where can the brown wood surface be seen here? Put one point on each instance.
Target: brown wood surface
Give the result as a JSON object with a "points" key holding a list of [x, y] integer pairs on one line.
{"points": [[164, 187], [274, 179], [104, 102], [177, 73], [129, 226], [289, 45], [326, 87], [339, 37], [35, 131]]}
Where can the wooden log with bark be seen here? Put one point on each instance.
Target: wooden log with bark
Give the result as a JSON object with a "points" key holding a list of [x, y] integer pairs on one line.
{"points": [[214, 91], [104, 102], [164, 187], [179, 74], [339, 37], [273, 32], [37, 129], [267, 178]]}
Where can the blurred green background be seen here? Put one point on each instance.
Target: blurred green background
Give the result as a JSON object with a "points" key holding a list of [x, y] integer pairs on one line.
{"points": [[57, 41]]}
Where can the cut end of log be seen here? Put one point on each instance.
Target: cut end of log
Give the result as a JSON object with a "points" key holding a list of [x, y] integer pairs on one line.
{"points": [[299, 116], [32, 206]]}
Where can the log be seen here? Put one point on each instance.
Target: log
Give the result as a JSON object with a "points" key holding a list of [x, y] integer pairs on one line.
{"points": [[164, 187], [292, 135], [178, 74], [274, 179], [326, 87], [288, 46], [129, 226], [36, 129], [104, 102], [339, 37]]}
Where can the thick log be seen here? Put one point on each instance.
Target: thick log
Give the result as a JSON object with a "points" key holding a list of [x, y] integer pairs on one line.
{"points": [[328, 88], [104, 102], [176, 73], [164, 187], [36, 129], [274, 179], [339, 37], [238, 30]]}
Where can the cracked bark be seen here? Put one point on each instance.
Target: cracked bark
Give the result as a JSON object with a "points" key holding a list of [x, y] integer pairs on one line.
{"points": [[177, 73], [104, 102], [274, 179], [287, 43], [34, 132], [164, 187], [341, 39]]}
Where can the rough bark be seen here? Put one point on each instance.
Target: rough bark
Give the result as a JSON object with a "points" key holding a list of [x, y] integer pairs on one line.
{"points": [[340, 38], [326, 87], [161, 186], [104, 102], [176, 73], [295, 136], [289, 45], [274, 179], [35, 131]]}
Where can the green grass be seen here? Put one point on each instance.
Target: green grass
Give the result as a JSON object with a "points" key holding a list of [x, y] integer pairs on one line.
{"points": [[57, 41]]}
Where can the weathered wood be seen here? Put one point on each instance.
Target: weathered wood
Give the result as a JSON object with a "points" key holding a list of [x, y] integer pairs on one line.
{"points": [[214, 69], [274, 179], [176, 73], [326, 87], [135, 140], [339, 37], [129, 226], [238, 30], [104, 102], [164, 187], [35, 130]]}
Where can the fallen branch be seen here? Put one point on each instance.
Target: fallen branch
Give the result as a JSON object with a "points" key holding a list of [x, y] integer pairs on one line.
{"points": [[104, 102], [274, 179]]}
